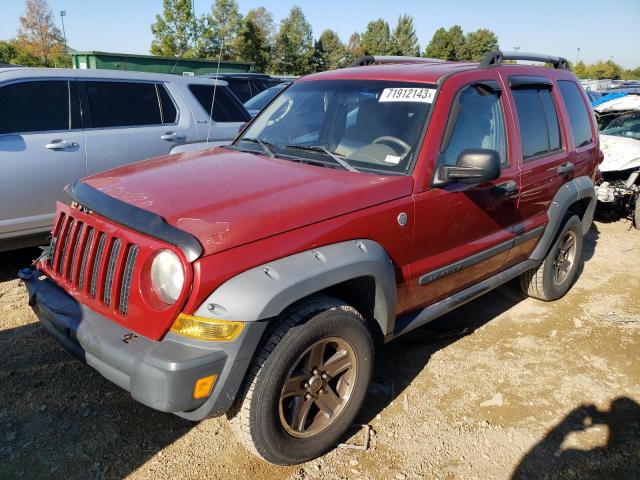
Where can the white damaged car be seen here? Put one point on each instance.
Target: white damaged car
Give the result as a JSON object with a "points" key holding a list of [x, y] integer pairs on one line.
{"points": [[619, 125]]}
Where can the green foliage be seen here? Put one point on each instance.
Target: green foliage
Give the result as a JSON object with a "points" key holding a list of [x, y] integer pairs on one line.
{"points": [[478, 43], [329, 52], [174, 31], [603, 70], [39, 42], [354, 47], [255, 40], [404, 40], [219, 32], [293, 50], [376, 40], [447, 44]]}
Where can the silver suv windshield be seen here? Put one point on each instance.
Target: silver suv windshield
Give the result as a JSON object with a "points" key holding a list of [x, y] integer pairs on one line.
{"points": [[359, 125]]}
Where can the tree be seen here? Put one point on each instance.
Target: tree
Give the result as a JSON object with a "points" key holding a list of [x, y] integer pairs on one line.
{"points": [[38, 36], [219, 31], [255, 42], [7, 52], [447, 44], [293, 50], [376, 40], [174, 31], [478, 43], [601, 70], [405, 40], [329, 52], [354, 47], [580, 69]]}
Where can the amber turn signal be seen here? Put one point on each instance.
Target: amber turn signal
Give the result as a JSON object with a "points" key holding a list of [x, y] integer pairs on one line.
{"points": [[203, 386], [209, 329]]}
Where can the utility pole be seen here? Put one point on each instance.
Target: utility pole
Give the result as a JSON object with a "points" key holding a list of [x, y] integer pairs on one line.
{"points": [[63, 13], [578, 55]]}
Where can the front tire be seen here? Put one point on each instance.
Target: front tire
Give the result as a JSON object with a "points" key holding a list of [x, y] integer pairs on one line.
{"points": [[306, 384], [557, 272]]}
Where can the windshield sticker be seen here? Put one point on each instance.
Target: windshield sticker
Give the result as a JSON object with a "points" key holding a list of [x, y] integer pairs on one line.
{"points": [[392, 159], [422, 95]]}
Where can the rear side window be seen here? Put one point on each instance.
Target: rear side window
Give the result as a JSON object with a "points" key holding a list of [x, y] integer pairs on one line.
{"points": [[539, 125], [225, 109], [123, 104], [35, 107], [578, 113], [241, 89]]}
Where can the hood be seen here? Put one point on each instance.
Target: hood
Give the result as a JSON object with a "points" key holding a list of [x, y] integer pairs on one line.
{"points": [[618, 104], [620, 153], [227, 198]]}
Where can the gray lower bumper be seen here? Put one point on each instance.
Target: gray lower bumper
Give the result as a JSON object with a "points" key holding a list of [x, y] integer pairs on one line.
{"points": [[160, 374]]}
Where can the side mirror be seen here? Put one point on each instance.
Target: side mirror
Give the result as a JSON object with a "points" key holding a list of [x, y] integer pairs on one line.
{"points": [[475, 165]]}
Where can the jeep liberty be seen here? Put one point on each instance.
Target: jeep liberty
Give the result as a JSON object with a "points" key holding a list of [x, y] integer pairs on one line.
{"points": [[259, 278]]}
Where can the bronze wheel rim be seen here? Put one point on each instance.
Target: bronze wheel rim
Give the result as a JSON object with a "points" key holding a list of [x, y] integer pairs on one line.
{"points": [[564, 258], [318, 387]]}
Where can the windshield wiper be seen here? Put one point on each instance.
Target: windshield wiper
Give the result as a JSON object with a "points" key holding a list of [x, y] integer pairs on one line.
{"points": [[264, 145], [316, 148]]}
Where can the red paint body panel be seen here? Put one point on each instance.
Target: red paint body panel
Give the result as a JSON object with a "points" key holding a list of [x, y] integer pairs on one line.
{"points": [[227, 198]]}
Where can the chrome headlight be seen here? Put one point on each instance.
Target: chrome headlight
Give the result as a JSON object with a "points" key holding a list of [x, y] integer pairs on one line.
{"points": [[167, 276]]}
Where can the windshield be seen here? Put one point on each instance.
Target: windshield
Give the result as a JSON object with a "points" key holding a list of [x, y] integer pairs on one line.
{"points": [[625, 125], [260, 100], [354, 124]]}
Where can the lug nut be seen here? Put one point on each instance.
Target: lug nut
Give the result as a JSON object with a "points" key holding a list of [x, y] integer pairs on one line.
{"points": [[315, 371], [321, 391], [306, 385], [325, 376], [307, 396]]}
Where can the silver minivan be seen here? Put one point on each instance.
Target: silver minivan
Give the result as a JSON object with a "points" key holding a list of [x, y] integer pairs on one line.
{"points": [[58, 125]]}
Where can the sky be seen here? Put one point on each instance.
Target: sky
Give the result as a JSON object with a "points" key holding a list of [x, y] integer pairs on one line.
{"points": [[601, 31]]}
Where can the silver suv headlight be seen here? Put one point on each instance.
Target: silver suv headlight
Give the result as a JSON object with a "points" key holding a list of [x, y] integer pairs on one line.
{"points": [[167, 276]]}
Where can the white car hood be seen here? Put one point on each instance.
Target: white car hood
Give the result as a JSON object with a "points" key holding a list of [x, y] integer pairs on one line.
{"points": [[620, 153], [628, 102]]}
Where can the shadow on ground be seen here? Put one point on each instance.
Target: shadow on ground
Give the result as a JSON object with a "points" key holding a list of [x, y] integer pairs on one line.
{"points": [[61, 419], [618, 458]]}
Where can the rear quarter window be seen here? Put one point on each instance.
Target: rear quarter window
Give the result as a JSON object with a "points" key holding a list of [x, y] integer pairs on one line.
{"points": [[578, 113], [225, 109]]}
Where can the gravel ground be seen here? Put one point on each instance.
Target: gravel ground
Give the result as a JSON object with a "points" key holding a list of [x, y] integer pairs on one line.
{"points": [[504, 387]]}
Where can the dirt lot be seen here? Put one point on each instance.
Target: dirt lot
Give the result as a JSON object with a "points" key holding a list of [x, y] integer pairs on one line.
{"points": [[504, 387]]}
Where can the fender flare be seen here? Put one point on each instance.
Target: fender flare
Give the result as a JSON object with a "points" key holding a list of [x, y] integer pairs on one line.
{"points": [[263, 292], [579, 188]]}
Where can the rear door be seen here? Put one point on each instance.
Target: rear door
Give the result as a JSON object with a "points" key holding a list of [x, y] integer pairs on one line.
{"points": [[41, 151], [543, 151], [463, 232], [130, 121]]}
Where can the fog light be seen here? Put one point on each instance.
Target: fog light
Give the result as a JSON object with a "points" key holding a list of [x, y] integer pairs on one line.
{"points": [[203, 386], [210, 329]]}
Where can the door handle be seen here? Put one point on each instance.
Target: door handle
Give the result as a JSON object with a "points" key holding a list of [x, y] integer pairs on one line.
{"points": [[508, 189], [60, 145], [172, 136], [564, 168]]}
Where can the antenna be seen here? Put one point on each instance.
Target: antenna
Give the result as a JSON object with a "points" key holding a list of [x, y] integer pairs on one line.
{"points": [[215, 86]]}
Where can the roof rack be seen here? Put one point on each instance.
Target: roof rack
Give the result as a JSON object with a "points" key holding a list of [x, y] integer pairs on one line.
{"points": [[366, 60], [494, 59]]}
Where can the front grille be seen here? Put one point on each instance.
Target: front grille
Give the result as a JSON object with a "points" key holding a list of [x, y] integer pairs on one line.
{"points": [[92, 262]]}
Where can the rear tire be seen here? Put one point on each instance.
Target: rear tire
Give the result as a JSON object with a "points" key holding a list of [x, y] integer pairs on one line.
{"points": [[636, 213], [307, 352], [557, 272]]}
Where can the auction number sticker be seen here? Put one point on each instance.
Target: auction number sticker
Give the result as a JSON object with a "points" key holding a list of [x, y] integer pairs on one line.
{"points": [[407, 94]]}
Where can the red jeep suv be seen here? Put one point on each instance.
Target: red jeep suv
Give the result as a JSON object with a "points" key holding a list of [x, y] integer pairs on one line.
{"points": [[258, 279]]}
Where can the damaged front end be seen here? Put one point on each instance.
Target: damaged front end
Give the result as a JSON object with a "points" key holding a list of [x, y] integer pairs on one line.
{"points": [[619, 125]]}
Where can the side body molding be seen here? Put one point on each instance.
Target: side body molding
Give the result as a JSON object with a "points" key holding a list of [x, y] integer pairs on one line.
{"points": [[579, 188], [265, 291]]}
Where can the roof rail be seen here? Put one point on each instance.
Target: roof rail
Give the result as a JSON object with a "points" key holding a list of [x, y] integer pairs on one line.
{"points": [[366, 60], [495, 59]]}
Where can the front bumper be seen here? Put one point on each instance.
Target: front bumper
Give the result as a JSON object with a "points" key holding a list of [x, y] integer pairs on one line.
{"points": [[159, 374]]}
